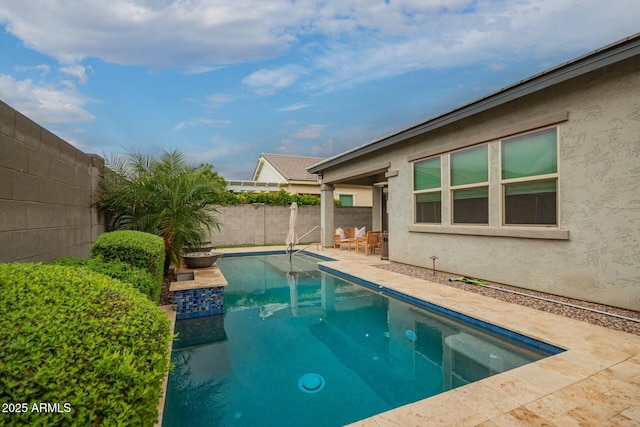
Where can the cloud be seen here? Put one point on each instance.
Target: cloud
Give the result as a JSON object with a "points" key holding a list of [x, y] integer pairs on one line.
{"points": [[325, 150], [197, 122], [310, 131], [294, 107], [290, 147], [218, 100], [269, 81], [333, 44], [195, 33], [43, 68], [45, 104], [201, 69], [228, 157], [77, 71]]}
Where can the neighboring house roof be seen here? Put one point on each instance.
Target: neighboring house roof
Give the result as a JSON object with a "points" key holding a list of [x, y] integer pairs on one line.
{"points": [[592, 61], [291, 168]]}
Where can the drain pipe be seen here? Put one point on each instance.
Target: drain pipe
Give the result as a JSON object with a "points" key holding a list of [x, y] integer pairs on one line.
{"points": [[606, 313]]}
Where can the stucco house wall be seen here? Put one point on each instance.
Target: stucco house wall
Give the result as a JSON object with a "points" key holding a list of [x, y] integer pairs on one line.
{"points": [[594, 253]]}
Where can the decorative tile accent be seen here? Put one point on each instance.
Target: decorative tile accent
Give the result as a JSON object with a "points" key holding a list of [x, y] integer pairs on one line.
{"points": [[192, 303]]}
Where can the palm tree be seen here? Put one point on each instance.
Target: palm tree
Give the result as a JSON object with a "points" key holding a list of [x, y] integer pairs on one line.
{"points": [[165, 196]]}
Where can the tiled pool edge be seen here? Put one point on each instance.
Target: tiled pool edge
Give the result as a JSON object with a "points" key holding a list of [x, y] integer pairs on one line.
{"points": [[498, 330], [276, 252]]}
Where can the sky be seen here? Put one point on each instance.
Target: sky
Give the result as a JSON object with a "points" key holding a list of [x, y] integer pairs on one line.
{"points": [[223, 81]]}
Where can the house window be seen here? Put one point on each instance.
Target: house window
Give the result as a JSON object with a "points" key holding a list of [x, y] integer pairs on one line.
{"points": [[346, 199], [427, 191], [530, 178], [470, 185]]}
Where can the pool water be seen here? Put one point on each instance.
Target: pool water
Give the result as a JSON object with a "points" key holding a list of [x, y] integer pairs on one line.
{"points": [[301, 347]]}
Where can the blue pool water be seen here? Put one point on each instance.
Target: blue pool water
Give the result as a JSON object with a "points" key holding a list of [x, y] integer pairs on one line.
{"points": [[301, 347]]}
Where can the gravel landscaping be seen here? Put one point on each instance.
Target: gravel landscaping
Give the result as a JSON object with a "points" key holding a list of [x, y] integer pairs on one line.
{"points": [[531, 301]]}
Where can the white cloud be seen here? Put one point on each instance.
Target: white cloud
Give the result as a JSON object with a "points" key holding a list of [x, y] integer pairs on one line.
{"points": [[43, 68], [218, 100], [199, 121], [77, 71], [201, 69], [228, 157], [294, 107], [325, 150], [337, 44], [46, 104], [290, 147], [196, 33], [310, 131], [269, 81]]}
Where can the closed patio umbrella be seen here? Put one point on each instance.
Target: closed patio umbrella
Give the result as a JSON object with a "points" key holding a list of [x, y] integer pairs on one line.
{"points": [[292, 235]]}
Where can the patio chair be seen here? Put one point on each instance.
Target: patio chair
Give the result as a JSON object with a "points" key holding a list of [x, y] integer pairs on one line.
{"points": [[370, 242], [347, 237]]}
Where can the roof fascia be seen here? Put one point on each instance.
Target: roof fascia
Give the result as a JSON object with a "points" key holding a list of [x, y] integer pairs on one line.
{"points": [[592, 61]]}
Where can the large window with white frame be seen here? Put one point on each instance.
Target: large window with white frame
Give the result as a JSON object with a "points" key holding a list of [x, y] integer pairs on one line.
{"points": [[529, 178], [427, 191], [469, 184]]}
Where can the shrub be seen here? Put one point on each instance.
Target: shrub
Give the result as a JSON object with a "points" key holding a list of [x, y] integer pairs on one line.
{"points": [[138, 278], [281, 198], [68, 335], [163, 195], [138, 249]]}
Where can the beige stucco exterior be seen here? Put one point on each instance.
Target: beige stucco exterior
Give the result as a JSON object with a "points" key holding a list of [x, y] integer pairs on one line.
{"points": [[362, 195], [594, 252]]}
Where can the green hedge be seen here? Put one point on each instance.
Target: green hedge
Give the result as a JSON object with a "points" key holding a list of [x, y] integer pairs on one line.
{"points": [[281, 198], [138, 278], [138, 249], [72, 336]]}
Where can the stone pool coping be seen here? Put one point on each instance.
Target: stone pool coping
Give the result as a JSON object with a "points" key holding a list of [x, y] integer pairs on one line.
{"points": [[595, 382], [168, 309], [210, 277]]}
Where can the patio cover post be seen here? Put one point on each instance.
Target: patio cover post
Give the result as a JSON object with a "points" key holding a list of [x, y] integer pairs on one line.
{"points": [[326, 213]]}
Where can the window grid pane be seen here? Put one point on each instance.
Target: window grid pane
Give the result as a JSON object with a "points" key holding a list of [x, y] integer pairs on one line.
{"points": [[531, 203], [530, 155], [426, 174], [471, 206], [470, 166], [429, 207]]}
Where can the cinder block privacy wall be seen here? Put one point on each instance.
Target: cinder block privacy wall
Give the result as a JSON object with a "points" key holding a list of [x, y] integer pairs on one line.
{"points": [[45, 193], [260, 224]]}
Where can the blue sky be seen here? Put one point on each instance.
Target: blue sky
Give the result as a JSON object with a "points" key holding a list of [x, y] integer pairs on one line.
{"points": [[226, 80]]}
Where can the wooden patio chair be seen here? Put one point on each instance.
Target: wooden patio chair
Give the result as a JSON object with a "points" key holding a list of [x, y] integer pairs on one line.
{"points": [[347, 239], [370, 242]]}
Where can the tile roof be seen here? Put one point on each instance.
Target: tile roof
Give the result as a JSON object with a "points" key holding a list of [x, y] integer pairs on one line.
{"points": [[293, 168]]}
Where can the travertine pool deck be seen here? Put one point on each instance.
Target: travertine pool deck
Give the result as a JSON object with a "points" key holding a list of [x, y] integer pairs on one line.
{"points": [[595, 382], [210, 277]]}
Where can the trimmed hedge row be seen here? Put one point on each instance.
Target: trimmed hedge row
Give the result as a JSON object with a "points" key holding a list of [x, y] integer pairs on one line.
{"points": [[69, 335], [138, 249], [138, 278]]}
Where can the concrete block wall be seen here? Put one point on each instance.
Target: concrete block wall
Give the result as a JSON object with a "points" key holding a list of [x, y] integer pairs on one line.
{"points": [[350, 216], [46, 186], [268, 225]]}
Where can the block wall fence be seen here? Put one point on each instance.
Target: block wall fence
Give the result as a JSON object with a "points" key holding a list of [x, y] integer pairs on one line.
{"points": [[46, 186], [268, 225]]}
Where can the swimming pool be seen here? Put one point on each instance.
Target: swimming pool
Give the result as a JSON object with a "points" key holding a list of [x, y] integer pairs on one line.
{"points": [[299, 346]]}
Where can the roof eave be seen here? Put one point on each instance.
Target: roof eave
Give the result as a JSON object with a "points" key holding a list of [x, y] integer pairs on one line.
{"points": [[592, 61]]}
